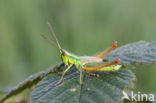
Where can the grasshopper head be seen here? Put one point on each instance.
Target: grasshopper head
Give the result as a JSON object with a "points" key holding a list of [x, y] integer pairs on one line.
{"points": [[63, 53], [66, 56]]}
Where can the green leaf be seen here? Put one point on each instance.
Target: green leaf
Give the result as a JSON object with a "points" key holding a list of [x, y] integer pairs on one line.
{"points": [[28, 83], [22, 86], [106, 88], [140, 52], [103, 89], [4, 91]]}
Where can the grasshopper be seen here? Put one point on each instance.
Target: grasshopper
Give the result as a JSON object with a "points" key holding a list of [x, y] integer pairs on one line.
{"points": [[87, 63]]}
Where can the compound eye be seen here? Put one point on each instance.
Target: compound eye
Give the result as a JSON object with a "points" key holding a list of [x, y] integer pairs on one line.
{"points": [[63, 53]]}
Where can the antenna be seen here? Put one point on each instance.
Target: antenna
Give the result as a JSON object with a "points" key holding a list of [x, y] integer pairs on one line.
{"points": [[53, 34], [45, 37]]}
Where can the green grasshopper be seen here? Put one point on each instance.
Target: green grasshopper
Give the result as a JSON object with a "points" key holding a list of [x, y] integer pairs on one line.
{"points": [[87, 63]]}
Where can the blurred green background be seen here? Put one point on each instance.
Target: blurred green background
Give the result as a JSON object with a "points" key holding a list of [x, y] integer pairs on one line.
{"points": [[83, 27]]}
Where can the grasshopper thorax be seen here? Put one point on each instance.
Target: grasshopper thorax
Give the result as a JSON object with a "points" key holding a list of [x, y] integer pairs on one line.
{"points": [[69, 58]]}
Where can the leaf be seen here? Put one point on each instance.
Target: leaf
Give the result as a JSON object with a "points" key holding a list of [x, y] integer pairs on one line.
{"points": [[4, 91], [103, 89], [106, 88], [140, 52], [22, 86], [28, 83]]}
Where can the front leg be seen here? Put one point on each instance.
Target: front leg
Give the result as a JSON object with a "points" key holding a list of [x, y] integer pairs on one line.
{"points": [[60, 73], [64, 74]]}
